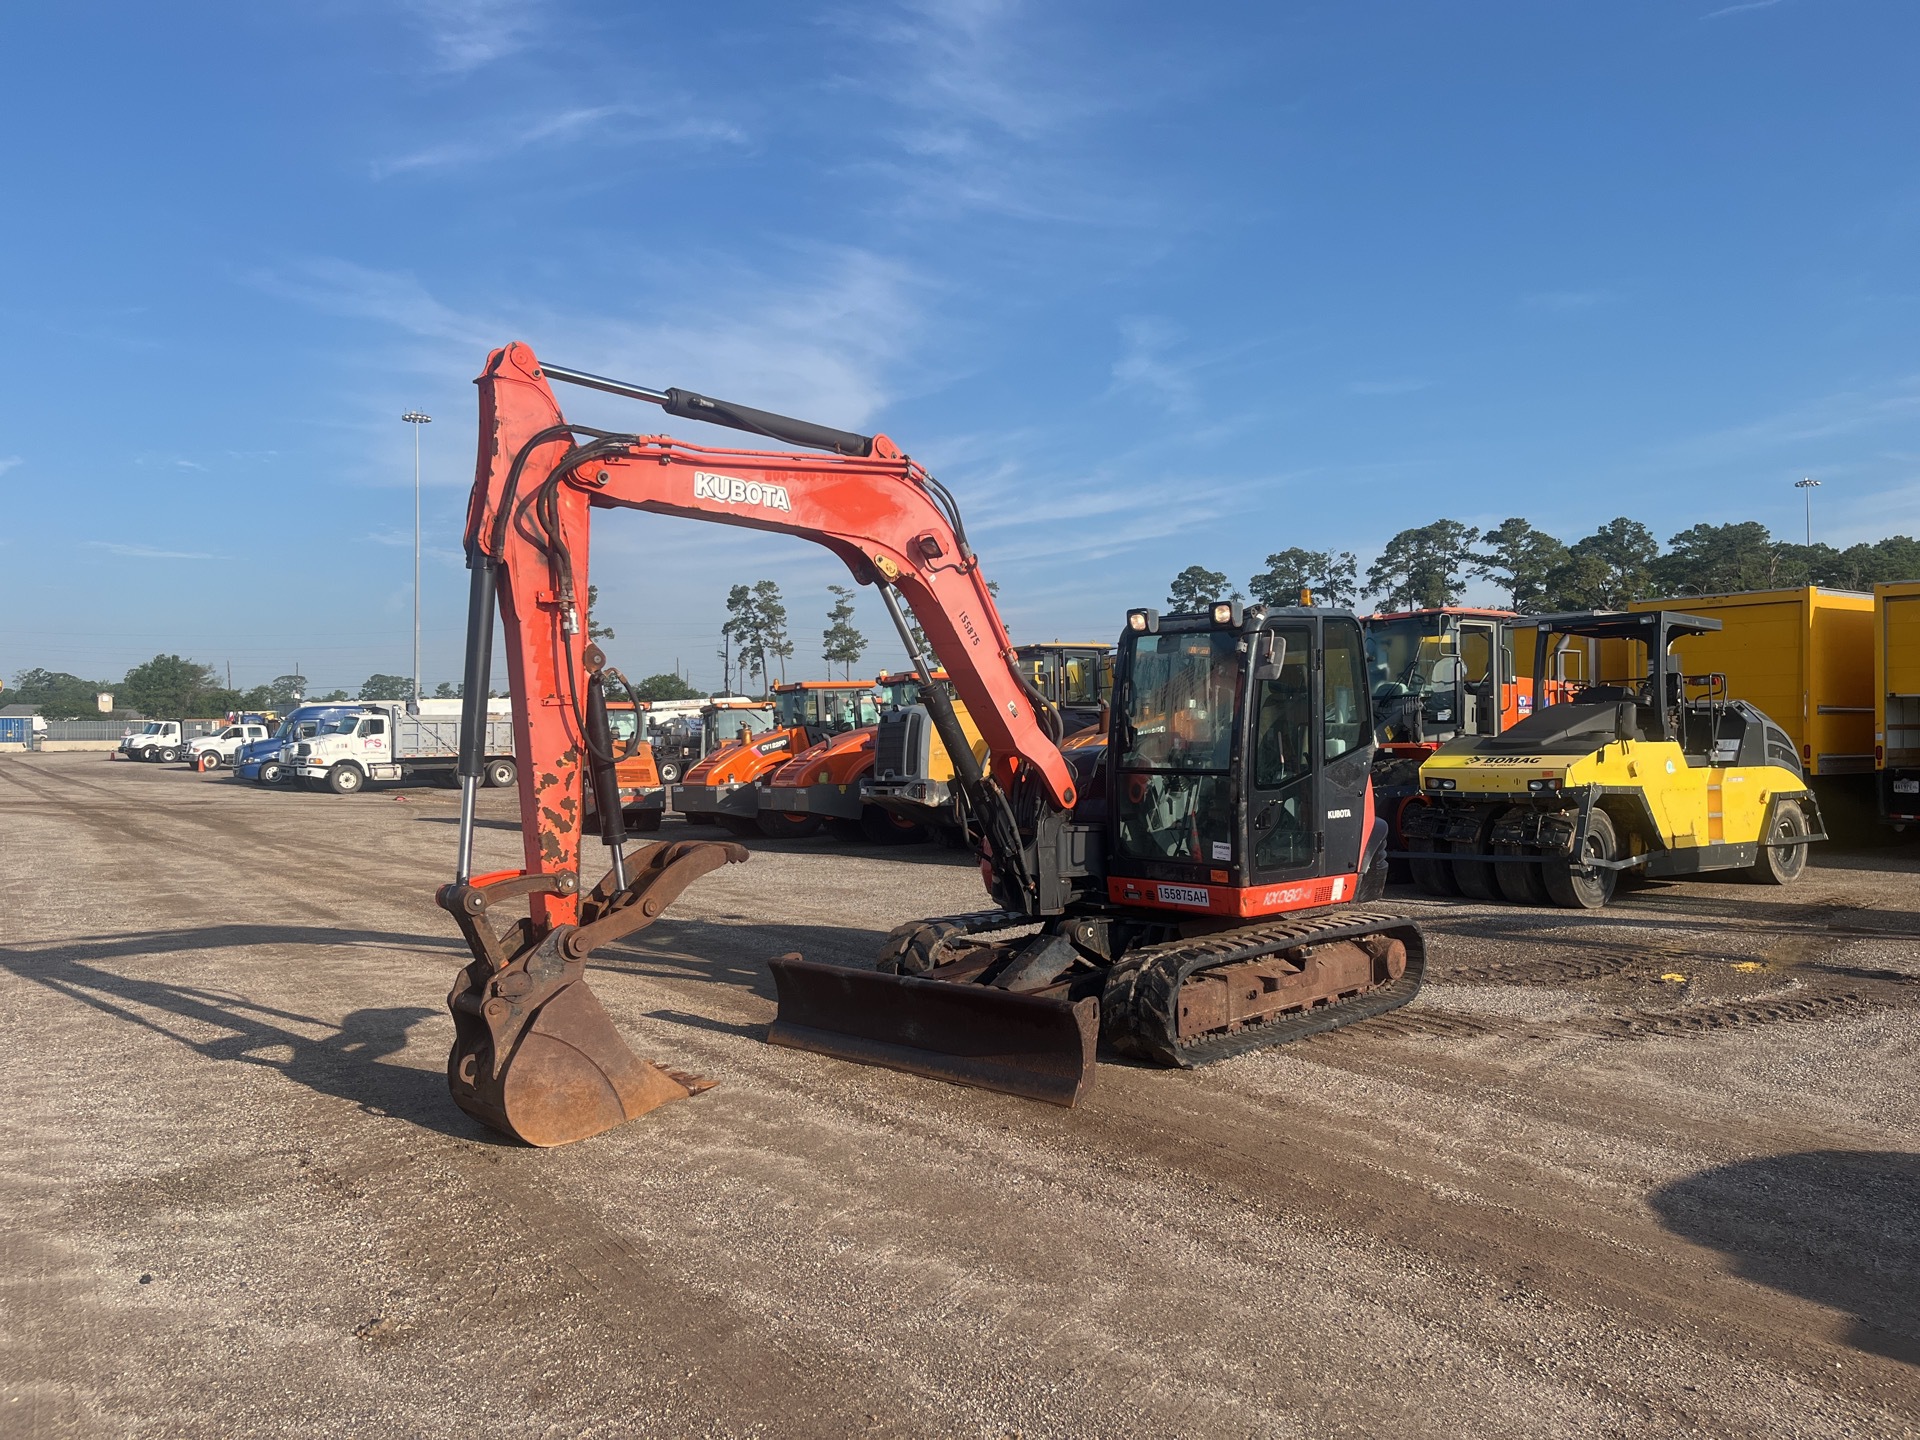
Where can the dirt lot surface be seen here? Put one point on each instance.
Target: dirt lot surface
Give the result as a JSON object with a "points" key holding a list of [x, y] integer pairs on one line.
{"points": [[1651, 1172]]}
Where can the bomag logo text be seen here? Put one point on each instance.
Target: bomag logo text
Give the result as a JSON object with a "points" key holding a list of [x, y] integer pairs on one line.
{"points": [[729, 491]]}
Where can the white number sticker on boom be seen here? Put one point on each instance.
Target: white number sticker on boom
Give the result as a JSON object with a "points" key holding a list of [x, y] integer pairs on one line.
{"points": [[729, 491], [1185, 895]]}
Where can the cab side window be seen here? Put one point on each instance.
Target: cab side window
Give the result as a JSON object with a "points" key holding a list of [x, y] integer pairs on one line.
{"points": [[1348, 723], [374, 727]]}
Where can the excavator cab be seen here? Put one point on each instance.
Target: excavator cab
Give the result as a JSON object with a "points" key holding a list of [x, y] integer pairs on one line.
{"points": [[1240, 756]]}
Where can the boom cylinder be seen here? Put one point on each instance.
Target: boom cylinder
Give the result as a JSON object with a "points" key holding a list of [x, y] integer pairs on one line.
{"points": [[473, 703], [605, 776]]}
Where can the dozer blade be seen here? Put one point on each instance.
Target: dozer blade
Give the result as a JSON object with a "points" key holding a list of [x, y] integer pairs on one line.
{"points": [[965, 1034], [568, 1075]]}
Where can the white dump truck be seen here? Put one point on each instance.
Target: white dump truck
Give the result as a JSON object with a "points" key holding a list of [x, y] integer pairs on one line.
{"points": [[380, 740]]}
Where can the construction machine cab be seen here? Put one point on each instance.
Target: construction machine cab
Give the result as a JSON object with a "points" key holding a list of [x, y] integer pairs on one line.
{"points": [[1645, 694], [1240, 755], [824, 711], [1436, 674]]}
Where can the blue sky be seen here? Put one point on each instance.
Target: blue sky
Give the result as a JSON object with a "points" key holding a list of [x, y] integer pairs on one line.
{"points": [[1144, 285]]}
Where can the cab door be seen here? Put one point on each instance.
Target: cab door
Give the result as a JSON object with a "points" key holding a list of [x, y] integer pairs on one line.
{"points": [[1310, 753]]}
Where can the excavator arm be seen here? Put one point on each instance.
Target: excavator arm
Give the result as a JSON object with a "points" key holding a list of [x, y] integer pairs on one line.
{"points": [[534, 1053]]}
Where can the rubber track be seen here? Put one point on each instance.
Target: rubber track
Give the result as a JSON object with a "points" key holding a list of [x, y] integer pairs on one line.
{"points": [[902, 938], [1139, 1010]]}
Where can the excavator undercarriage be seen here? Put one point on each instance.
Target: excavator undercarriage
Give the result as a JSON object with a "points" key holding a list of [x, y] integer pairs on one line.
{"points": [[1180, 895]]}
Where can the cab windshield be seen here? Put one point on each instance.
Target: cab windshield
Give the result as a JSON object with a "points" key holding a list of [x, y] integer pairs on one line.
{"points": [[622, 724], [900, 693], [829, 710], [1175, 798], [1401, 653], [1069, 677], [345, 725]]}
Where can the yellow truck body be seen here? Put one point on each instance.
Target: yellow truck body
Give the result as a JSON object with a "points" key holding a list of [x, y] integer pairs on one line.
{"points": [[1896, 699], [1803, 656]]}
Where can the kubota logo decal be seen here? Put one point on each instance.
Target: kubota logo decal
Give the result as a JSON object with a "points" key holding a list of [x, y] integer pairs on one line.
{"points": [[729, 491]]}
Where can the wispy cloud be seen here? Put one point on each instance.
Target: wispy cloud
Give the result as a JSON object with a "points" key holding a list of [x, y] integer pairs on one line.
{"points": [[7, 462], [1844, 412], [604, 125], [998, 114], [403, 540], [146, 552], [1736, 9], [1565, 301], [1143, 365], [1386, 387], [823, 341], [467, 34]]}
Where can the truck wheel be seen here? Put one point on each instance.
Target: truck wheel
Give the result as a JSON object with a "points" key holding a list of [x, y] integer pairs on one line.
{"points": [[1591, 889], [1475, 877], [1520, 882], [1782, 864], [1435, 877], [269, 774], [500, 773], [209, 760], [669, 772], [345, 778], [168, 755], [778, 825], [883, 827]]}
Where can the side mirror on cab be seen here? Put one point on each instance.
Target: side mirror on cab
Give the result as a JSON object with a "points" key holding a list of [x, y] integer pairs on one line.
{"points": [[1269, 657]]}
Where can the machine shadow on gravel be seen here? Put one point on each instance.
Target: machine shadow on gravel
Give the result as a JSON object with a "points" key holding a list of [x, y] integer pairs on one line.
{"points": [[345, 1060], [1838, 1227], [736, 955]]}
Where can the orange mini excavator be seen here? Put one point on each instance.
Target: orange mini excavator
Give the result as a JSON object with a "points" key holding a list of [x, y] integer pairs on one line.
{"points": [[1182, 893]]}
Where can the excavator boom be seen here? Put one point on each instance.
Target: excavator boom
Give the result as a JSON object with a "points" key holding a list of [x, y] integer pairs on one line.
{"points": [[534, 1053]]}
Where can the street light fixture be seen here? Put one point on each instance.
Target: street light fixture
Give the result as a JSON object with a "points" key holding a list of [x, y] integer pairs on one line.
{"points": [[1806, 487], [416, 419]]}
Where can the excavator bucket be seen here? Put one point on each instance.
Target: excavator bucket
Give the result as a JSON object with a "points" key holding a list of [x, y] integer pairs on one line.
{"points": [[1027, 1045], [566, 1076]]}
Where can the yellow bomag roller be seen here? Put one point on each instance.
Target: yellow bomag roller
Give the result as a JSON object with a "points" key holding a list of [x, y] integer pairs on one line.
{"points": [[1644, 772]]}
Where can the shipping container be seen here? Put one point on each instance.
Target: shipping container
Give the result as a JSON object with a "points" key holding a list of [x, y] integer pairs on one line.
{"points": [[1803, 657], [16, 731], [1896, 699]]}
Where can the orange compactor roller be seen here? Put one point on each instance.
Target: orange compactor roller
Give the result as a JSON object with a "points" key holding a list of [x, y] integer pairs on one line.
{"points": [[1183, 893]]}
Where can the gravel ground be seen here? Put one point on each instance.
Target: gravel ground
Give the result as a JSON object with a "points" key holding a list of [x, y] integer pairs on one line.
{"points": [[1561, 1194]]}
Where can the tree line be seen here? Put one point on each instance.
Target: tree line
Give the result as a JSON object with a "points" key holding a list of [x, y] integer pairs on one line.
{"points": [[1430, 565], [755, 639]]}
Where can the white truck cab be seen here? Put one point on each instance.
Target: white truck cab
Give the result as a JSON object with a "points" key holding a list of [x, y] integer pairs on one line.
{"points": [[223, 746], [153, 740]]}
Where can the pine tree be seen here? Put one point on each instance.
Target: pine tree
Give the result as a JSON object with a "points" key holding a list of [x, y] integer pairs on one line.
{"points": [[1330, 576], [1425, 567], [841, 645], [1196, 587]]}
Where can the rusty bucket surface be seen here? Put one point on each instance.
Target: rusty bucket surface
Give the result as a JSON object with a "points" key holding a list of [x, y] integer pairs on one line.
{"points": [[567, 1075], [1027, 1045]]}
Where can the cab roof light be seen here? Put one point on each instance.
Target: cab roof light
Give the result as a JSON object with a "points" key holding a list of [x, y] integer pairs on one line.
{"points": [[1144, 622], [1226, 612]]}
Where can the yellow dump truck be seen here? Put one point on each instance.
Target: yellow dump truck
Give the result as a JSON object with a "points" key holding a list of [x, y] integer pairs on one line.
{"points": [[1804, 657], [1896, 700]]}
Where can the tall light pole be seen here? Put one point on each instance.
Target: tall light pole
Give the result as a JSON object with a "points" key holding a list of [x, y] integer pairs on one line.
{"points": [[416, 419], [1806, 487]]}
